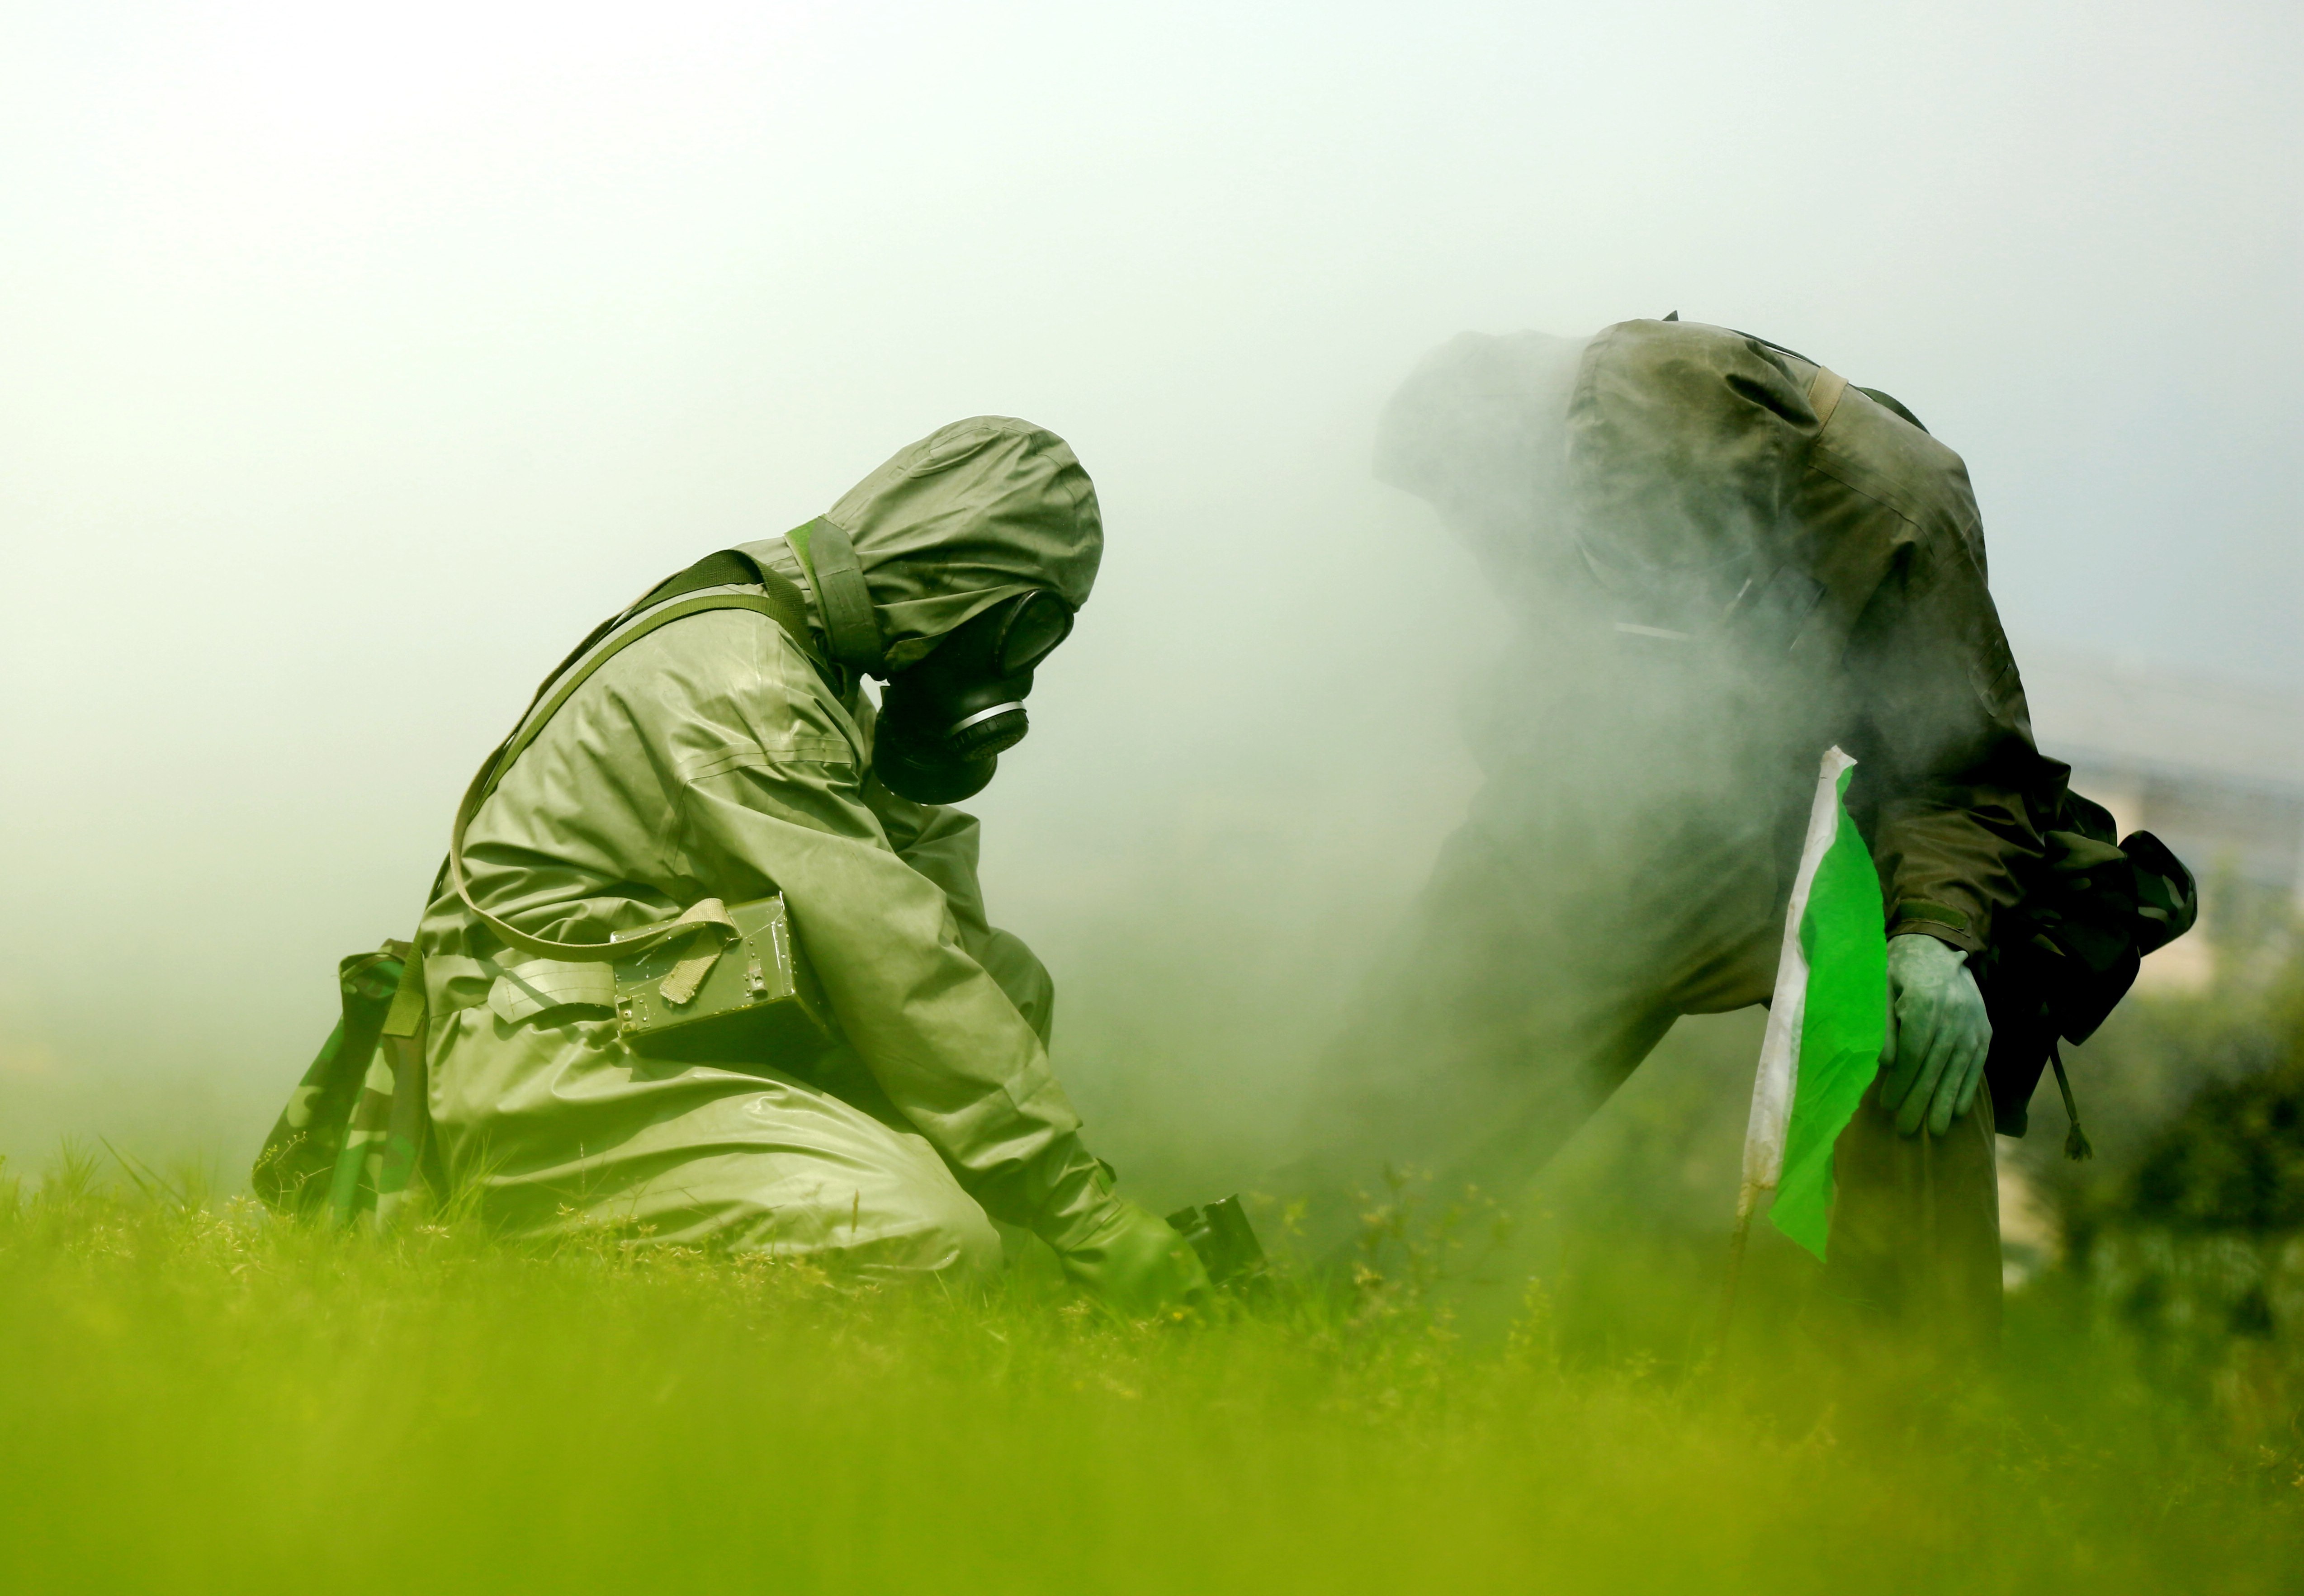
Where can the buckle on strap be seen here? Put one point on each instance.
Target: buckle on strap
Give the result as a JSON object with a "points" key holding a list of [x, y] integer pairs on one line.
{"points": [[715, 931]]}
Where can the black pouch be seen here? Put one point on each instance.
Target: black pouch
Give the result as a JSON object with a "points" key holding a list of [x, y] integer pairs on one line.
{"points": [[2063, 958]]}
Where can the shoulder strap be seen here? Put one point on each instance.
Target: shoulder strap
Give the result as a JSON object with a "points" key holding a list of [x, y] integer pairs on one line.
{"points": [[850, 626], [778, 600]]}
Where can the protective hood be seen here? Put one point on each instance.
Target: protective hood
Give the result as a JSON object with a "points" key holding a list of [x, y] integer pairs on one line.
{"points": [[974, 513], [1475, 427], [1662, 452], [1476, 432]]}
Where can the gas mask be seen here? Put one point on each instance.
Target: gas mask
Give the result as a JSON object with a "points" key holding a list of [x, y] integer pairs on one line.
{"points": [[946, 721]]}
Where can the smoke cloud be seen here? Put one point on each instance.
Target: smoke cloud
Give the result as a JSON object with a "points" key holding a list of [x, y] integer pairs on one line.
{"points": [[361, 359]]}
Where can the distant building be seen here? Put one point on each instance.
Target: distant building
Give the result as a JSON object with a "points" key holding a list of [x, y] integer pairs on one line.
{"points": [[2215, 768]]}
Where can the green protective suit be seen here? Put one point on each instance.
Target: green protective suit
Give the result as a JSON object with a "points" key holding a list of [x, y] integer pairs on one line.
{"points": [[718, 757], [1721, 559]]}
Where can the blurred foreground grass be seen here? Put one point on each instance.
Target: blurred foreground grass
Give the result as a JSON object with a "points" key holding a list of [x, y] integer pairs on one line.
{"points": [[194, 1398]]}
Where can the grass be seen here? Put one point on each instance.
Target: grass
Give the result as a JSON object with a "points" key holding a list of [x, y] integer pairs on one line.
{"points": [[193, 1398]]}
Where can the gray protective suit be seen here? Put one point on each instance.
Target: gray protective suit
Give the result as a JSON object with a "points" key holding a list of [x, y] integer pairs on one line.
{"points": [[717, 757]]}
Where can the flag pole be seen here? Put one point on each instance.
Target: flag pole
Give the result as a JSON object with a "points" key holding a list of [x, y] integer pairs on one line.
{"points": [[1744, 1233], [1776, 1079]]}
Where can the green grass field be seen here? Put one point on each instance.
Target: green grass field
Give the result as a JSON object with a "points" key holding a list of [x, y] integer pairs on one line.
{"points": [[193, 1398]]}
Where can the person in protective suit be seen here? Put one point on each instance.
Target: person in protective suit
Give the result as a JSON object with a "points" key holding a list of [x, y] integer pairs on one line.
{"points": [[1721, 559], [725, 757]]}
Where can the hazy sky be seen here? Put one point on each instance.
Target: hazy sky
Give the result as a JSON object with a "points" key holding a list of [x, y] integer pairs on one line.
{"points": [[354, 358]]}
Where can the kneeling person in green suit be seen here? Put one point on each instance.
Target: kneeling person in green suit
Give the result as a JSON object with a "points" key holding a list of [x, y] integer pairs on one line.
{"points": [[725, 757]]}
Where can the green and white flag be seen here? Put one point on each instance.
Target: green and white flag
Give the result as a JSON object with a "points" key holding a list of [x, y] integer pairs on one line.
{"points": [[1826, 1024]]}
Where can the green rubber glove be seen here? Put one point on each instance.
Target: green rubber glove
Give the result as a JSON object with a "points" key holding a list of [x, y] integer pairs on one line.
{"points": [[1938, 1035], [1135, 1264]]}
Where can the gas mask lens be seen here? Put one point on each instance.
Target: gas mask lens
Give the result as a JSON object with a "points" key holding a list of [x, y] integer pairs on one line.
{"points": [[1035, 624], [946, 721]]}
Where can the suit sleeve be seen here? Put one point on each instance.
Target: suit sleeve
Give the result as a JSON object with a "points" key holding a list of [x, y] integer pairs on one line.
{"points": [[941, 844], [776, 802], [1953, 775]]}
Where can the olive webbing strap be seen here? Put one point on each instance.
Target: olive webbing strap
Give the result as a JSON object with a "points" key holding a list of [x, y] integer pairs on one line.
{"points": [[1824, 393], [779, 600], [851, 625], [1824, 389]]}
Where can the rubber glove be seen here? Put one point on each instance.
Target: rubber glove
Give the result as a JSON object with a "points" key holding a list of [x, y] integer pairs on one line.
{"points": [[1938, 1035], [1137, 1265]]}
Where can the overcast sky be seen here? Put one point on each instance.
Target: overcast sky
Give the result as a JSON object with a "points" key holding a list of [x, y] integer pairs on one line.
{"points": [[354, 358]]}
